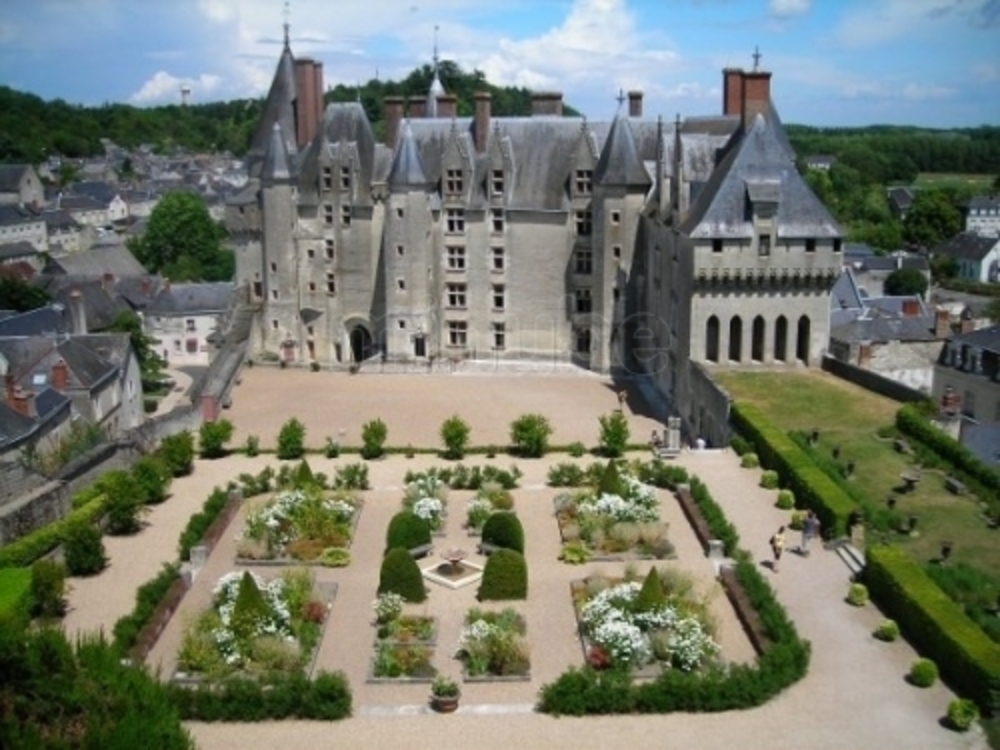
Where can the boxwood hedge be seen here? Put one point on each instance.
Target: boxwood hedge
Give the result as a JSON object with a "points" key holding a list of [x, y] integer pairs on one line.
{"points": [[24, 551]]}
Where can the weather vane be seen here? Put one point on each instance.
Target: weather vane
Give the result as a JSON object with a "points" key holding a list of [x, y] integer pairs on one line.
{"points": [[620, 98], [285, 14], [756, 57]]}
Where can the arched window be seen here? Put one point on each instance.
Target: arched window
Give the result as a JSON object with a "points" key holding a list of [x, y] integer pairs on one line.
{"points": [[735, 339], [757, 342], [802, 342], [781, 339], [712, 339]]}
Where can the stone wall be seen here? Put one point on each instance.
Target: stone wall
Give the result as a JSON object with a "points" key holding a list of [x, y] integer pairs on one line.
{"points": [[33, 510], [872, 381], [709, 409], [16, 479]]}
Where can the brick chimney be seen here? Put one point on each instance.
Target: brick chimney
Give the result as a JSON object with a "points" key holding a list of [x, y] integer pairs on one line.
{"points": [[635, 103], [308, 100], [732, 91], [318, 83], [145, 285], [911, 308], [447, 106], [418, 106], [393, 108], [23, 402], [60, 376], [108, 282], [79, 312], [10, 385], [546, 103], [951, 402], [756, 95], [484, 105], [942, 323]]}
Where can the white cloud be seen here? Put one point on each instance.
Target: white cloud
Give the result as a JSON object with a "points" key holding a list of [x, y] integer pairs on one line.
{"points": [[986, 72], [784, 9], [164, 88], [879, 21]]}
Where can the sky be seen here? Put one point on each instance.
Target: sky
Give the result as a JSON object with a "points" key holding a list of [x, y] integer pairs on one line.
{"points": [[933, 63]]}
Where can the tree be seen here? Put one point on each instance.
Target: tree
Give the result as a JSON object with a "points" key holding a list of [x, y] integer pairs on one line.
{"points": [[455, 436], [153, 476], [151, 364], [529, 434], [183, 242], [177, 452], [614, 434], [932, 219], [291, 439], [373, 435], [905, 281], [213, 436], [19, 295]]}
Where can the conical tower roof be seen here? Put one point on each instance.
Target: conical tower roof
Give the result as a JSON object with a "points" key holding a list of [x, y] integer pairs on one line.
{"points": [[619, 163], [407, 168], [278, 108], [275, 167]]}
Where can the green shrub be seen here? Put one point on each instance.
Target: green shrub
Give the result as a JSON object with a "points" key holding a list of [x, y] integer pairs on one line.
{"points": [[291, 440], [962, 714], [153, 477], [332, 448], [857, 595], [455, 436], [576, 449], [24, 551], [48, 589], [614, 434], [198, 524], [335, 557], [504, 577], [769, 479], [574, 553], [786, 499], [740, 445], [177, 452], [83, 550], [351, 477], [798, 517], [407, 531], [529, 435], [887, 630], [147, 599], [660, 474], [611, 482], [213, 436], [749, 461], [566, 475], [923, 673], [651, 596], [252, 447], [934, 624], [504, 529], [123, 501], [373, 435], [717, 522], [15, 594], [401, 575]]}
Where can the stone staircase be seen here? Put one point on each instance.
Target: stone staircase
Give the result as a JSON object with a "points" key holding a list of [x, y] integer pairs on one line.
{"points": [[853, 558]]}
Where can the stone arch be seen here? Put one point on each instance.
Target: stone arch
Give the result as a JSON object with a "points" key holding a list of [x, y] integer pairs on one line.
{"points": [[712, 339], [736, 339], [781, 339], [359, 338], [802, 340], [757, 341]]}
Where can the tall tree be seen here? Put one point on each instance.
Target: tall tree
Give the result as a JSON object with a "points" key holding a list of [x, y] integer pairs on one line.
{"points": [[19, 295], [932, 219], [151, 364]]}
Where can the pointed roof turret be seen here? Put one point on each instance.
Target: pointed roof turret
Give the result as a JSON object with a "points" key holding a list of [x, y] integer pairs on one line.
{"points": [[619, 163], [437, 88], [278, 108], [407, 167], [275, 167]]}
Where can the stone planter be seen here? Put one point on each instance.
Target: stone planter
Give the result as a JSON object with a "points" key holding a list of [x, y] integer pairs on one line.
{"points": [[444, 704]]}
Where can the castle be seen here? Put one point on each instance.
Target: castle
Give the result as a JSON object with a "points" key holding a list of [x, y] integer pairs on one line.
{"points": [[633, 245]]}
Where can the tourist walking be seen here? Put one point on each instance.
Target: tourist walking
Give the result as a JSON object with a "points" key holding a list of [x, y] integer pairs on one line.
{"points": [[810, 530], [777, 547]]}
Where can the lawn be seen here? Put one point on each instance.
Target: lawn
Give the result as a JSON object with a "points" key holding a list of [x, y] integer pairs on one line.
{"points": [[848, 417], [14, 586], [979, 182]]}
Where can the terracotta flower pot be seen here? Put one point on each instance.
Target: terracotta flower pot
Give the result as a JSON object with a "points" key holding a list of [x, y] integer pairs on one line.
{"points": [[444, 704]]}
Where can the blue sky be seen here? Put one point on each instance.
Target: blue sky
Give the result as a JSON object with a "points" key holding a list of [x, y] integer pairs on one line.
{"points": [[934, 63]]}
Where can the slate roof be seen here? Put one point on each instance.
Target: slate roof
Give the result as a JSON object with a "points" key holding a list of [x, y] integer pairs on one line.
{"points": [[80, 203], [891, 263], [45, 321], [987, 339], [619, 163], [11, 176], [192, 299], [12, 214], [967, 246], [407, 169], [983, 201], [60, 220], [885, 328], [18, 249], [901, 198], [277, 109], [113, 258], [276, 167], [13, 425], [98, 190], [101, 306], [723, 209]]}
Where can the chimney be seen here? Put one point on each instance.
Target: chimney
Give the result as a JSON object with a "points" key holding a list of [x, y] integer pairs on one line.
{"points": [[393, 106], [968, 325], [318, 96], [911, 308], [447, 106], [546, 103], [417, 106], [864, 356], [951, 402], [10, 385], [23, 402], [756, 95], [635, 103], [79, 312], [732, 91], [60, 376], [305, 101], [942, 323], [481, 134], [145, 285], [108, 282]]}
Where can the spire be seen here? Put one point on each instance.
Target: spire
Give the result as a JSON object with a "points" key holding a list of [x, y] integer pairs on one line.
{"points": [[275, 167], [407, 168], [619, 163], [436, 89], [285, 14]]}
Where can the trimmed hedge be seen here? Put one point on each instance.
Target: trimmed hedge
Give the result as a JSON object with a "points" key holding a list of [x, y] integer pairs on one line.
{"points": [[504, 529], [147, 598], [400, 574], [295, 696], [504, 577], [23, 552], [198, 524], [408, 531], [812, 487], [15, 593], [935, 625], [717, 522]]}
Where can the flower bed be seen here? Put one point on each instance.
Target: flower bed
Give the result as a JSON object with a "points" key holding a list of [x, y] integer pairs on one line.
{"points": [[619, 520], [427, 497], [637, 625], [255, 627], [492, 646], [404, 644], [488, 499], [300, 526]]}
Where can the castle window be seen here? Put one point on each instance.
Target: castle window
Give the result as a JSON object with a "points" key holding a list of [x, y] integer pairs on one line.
{"points": [[616, 252], [401, 324], [496, 215], [456, 258], [456, 296], [810, 245], [309, 330], [312, 286], [458, 332], [836, 245], [455, 221], [274, 324], [583, 341], [499, 336], [327, 214], [345, 178], [331, 283], [345, 216], [274, 294], [764, 244], [274, 267], [399, 213], [327, 178], [583, 262], [583, 302], [498, 297], [498, 260], [400, 285], [616, 217], [310, 253], [583, 181], [328, 249], [716, 246], [584, 222], [189, 325], [496, 183], [453, 181], [400, 251]]}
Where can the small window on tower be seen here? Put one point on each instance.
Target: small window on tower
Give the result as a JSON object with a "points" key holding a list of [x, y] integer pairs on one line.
{"points": [[345, 216], [716, 246], [584, 223], [329, 249], [453, 181], [331, 283], [400, 251], [496, 184], [583, 180], [345, 178], [400, 285], [764, 244], [616, 217], [810, 245], [497, 219], [327, 214], [327, 178], [616, 251], [310, 253], [274, 267]]}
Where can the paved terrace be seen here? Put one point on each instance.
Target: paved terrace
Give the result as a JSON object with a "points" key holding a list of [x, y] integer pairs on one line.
{"points": [[855, 695]]}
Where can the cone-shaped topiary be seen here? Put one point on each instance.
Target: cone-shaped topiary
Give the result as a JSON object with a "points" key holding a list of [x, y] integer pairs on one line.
{"points": [[401, 575], [407, 530], [651, 596], [504, 577], [504, 529], [250, 608], [611, 483], [304, 476]]}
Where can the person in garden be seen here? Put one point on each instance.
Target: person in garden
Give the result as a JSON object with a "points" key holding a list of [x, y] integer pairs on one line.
{"points": [[777, 547], [810, 530]]}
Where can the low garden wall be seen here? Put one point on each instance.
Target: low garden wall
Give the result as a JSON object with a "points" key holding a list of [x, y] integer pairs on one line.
{"points": [[872, 381]]}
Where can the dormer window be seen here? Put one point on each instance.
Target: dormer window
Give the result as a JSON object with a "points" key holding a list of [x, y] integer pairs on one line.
{"points": [[496, 183], [453, 184], [345, 178], [716, 246], [764, 244], [810, 246], [327, 178], [583, 181]]}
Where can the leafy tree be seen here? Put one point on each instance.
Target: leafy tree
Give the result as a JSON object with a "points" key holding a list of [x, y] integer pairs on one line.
{"points": [[943, 267], [153, 477], [455, 436], [932, 219], [614, 434], [373, 435], [48, 589], [529, 434], [183, 242], [905, 281], [83, 550], [177, 451], [291, 439], [19, 295], [123, 501], [213, 436], [151, 364]]}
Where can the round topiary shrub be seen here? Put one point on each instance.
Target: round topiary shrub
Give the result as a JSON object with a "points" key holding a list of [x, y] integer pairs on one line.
{"points": [[83, 550], [401, 575], [504, 529], [504, 577], [407, 530], [887, 630], [769, 479], [857, 595], [749, 461], [962, 713], [923, 673], [786, 500]]}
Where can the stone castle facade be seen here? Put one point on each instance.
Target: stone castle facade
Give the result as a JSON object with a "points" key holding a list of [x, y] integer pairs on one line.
{"points": [[630, 245]]}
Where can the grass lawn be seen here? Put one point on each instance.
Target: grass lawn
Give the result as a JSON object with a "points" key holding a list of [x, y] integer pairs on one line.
{"points": [[849, 416], [981, 182]]}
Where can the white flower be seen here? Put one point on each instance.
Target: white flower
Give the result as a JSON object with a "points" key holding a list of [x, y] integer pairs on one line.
{"points": [[428, 508]]}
